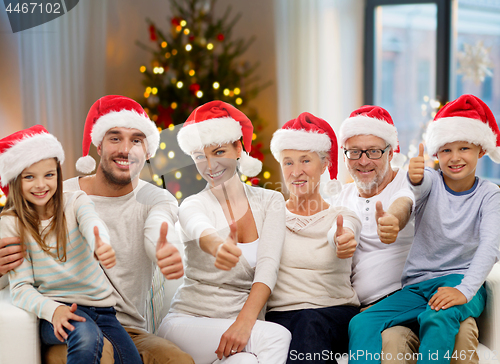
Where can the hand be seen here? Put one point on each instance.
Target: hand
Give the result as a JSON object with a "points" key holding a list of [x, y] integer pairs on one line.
{"points": [[228, 253], [11, 254], [417, 166], [168, 257], [447, 297], [233, 340], [387, 225], [344, 239], [104, 252], [60, 320]]}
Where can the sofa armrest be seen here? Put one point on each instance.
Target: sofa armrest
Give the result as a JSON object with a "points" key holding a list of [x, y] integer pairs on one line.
{"points": [[19, 337], [489, 321]]}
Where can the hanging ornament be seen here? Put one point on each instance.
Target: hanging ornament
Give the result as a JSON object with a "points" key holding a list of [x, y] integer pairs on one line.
{"points": [[152, 33], [220, 37], [475, 62], [194, 88], [257, 152], [176, 21]]}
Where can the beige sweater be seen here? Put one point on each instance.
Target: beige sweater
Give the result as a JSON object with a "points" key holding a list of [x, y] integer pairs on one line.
{"points": [[311, 275], [208, 291]]}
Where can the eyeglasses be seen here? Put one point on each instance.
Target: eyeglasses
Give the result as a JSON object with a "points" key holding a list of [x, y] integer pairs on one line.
{"points": [[355, 154]]}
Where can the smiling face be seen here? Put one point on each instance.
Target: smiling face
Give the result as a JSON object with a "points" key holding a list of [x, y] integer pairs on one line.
{"points": [[370, 175], [302, 171], [39, 184], [217, 163], [123, 153], [458, 161]]}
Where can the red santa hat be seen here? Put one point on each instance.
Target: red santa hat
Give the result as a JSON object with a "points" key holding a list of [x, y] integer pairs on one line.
{"points": [[20, 150], [217, 123], [114, 111], [466, 119], [310, 133], [372, 120]]}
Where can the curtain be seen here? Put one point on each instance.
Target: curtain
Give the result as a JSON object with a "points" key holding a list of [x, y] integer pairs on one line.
{"points": [[62, 67], [319, 60]]}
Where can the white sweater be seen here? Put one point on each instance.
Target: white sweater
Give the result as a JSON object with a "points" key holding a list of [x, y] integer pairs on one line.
{"points": [[208, 291], [311, 275], [134, 222], [41, 280]]}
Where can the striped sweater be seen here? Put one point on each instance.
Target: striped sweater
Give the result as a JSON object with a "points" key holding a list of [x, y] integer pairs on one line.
{"points": [[41, 282]]}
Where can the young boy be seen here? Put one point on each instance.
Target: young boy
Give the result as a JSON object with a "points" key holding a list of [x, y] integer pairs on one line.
{"points": [[456, 239]]}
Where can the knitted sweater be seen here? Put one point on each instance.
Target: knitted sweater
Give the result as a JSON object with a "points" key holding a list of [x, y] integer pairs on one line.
{"points": [[311, 275], [134, 222], [211, 292], [41, 279]]}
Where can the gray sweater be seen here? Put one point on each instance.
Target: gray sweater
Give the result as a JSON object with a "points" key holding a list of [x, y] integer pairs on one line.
{"points": [[455, 232], [208, 291], [134, 222]]}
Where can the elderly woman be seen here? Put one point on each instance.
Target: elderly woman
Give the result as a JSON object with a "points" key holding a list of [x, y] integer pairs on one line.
{"points": [[313, 297], [233, 236]]}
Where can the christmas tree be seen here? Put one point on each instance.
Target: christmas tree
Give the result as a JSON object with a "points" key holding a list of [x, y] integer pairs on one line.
{"points": [[195, 61]]}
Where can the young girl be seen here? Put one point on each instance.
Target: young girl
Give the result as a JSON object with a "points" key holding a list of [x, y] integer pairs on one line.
{"points": [[59, 279]]}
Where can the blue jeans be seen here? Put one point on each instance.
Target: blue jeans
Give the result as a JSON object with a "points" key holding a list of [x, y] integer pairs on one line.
{"points": [[318, 334], [437, 328], [85, 342]]}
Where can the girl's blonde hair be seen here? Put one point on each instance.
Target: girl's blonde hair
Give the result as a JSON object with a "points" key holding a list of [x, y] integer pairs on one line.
{"points": [[29, 221]]}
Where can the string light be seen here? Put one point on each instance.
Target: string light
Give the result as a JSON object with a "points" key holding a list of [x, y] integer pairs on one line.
{"points": [[171, 127], [189, 47], [142, 69], [199, 94], [174, 52], [159, 129], [148, 90], [178, 175], [171, 154], [237, 91], [226, 92], [180, 84], [178, 195], [163, 145], [267, 175], [154, 90], [173, 105], [155, 177], [248, 183], [167, 55], [164, 44], [178, 28], [216, 85], [186, 31], [210, 46], [183, 23], [159, 182], [198, 177], [239, 101], [254, 136], [243, 177], [192, 73]]}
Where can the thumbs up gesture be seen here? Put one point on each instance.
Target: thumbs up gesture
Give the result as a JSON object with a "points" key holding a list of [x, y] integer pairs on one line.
{"points": [[104, 252], [344, 240], [228, 253], [168, 257], [416, 167], [387, 225]]}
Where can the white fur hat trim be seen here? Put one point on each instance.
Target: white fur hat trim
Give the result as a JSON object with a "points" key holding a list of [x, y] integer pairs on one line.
{"points": [[299, 140], [363, 125], [127, 119], [457, 128], [197, 136]]}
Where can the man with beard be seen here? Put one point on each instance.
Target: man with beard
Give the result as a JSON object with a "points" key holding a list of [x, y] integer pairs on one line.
{"points": [[140, 218], [381, 198]]}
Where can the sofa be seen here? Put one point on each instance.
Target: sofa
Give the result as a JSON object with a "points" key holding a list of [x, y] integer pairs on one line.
{"points": [[20, 344]]}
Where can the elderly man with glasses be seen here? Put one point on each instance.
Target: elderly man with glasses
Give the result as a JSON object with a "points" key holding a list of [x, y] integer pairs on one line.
{"points": [[384, 203]]}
